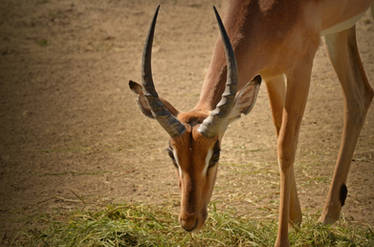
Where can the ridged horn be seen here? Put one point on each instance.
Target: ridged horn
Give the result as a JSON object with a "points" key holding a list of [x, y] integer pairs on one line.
{"points": [[160, 112], [216, 122]]}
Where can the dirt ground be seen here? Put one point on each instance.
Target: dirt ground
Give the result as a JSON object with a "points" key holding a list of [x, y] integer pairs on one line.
{"points": [[72, 136]]}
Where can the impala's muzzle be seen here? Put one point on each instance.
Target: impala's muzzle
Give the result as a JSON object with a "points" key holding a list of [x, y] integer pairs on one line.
{"points": [[193, 221], [189, 222]]}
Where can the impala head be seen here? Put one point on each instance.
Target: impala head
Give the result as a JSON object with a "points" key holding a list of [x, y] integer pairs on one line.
{"points": [[195, 136]]}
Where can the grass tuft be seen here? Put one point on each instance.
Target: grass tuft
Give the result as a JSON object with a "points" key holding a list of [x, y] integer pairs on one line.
{"points": [[139, 225]]}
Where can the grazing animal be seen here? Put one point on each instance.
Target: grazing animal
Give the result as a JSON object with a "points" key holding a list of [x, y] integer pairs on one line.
{"points": [[275, 40]]}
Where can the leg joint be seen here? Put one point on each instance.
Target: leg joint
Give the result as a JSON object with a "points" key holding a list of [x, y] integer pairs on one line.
{"points": [[286, 150]]}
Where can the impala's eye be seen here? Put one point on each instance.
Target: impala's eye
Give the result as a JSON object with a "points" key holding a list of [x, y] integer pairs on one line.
{"points": [[171, 155], [215, 157]]}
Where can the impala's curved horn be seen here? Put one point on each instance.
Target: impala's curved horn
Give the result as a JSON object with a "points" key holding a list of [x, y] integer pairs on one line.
{"points": [[217, 121], [160, 112]]}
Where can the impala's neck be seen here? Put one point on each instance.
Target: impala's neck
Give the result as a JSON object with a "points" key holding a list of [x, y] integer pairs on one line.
{"points": [[250, 59], [215, 79]]}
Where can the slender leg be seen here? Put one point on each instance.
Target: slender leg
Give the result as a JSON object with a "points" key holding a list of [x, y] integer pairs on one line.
{"points": [[358, 94], [298, 81], [276, 91]]}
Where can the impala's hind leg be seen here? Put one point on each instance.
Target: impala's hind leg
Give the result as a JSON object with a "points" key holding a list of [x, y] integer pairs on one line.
{"points": [[358, 94], [276, 91]]}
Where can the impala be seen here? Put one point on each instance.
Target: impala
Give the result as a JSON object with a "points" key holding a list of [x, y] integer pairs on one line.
{"points": [[276, 39]]}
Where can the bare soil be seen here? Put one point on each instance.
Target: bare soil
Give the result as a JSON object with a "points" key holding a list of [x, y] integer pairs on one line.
{"points": [[72, 136]]}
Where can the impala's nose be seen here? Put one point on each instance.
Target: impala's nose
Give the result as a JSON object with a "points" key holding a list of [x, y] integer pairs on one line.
{"points": [[188, 222]]}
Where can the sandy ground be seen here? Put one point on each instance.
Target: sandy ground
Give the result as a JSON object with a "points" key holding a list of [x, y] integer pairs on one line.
{"points": [[72, 136]]}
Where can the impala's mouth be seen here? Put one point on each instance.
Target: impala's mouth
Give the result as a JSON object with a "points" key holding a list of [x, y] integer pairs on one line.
{"points": [[196, 225], [193, 228]]}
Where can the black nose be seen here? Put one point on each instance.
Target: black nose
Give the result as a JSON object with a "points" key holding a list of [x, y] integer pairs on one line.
{"points": [[189, 223]]}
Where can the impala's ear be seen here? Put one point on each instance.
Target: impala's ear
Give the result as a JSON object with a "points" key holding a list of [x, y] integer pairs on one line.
{"points": [[245, 99], [143, 103]]}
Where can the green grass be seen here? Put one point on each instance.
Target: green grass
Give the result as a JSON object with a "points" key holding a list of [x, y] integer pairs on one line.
{"points": [[139, 225], [42, 42]]}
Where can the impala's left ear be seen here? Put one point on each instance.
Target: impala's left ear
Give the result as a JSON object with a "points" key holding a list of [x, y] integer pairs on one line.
{"points": [[245, 99], [143, 103]]}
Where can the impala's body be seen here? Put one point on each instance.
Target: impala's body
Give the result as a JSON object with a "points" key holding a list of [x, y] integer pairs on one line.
{"points": [[269, 48], [278, 40]]}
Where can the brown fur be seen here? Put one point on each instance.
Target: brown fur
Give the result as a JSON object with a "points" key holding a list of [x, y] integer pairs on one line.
{"points": [[277, 39]]}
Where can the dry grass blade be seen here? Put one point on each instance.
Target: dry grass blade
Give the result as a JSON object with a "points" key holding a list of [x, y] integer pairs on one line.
{"points": [[139, 225]]}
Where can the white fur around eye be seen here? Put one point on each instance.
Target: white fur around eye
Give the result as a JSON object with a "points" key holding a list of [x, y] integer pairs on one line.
{"points": [[207, 161], [177, 161]]}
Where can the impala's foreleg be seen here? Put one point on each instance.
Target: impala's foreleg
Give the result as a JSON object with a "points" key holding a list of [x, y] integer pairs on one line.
{"points": [[276, 87], [358, 94], [298, 81], [276, 91]]}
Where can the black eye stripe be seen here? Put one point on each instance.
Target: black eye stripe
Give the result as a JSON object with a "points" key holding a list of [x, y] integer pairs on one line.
{"points": [[213, 160], [215, 157], [216, 148], [170, 152], [171, 155]]}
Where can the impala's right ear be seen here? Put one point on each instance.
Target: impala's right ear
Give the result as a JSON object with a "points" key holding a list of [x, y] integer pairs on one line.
{"points": [[245, 99], [143, 103]]}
